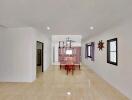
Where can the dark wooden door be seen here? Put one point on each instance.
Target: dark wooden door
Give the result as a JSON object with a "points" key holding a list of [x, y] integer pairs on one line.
{"points": [[39, 57]]}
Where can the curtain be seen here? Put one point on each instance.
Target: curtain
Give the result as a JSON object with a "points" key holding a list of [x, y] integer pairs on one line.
{"points": [[86, 50], [92, 50]]}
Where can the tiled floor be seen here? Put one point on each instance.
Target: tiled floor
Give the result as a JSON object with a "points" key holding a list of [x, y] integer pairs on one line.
{"points": [[54, 84]]}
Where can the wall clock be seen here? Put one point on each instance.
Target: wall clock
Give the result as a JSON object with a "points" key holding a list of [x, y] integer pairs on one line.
{"points": [[101, 45]]}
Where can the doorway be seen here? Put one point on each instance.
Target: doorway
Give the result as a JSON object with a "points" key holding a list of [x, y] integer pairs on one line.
{"points": [[39, 57]]}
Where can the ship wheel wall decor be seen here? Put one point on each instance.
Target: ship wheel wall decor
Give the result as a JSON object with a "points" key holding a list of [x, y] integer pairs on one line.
{"points": [[101, 45]]}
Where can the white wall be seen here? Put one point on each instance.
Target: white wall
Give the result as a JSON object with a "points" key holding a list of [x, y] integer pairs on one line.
{"points": [[46, 39], [18, 54], [16, 60], [118, 76]]}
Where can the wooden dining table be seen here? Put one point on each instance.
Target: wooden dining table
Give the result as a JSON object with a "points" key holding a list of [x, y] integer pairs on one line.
{"points": [[69, 64]]}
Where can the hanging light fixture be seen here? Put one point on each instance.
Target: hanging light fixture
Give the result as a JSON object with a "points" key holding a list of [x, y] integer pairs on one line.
{"points": [[68, 42], [65, 47], [61, 44], [65, 44]]}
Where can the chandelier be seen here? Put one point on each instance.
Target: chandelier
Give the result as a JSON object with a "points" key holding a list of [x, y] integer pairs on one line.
{"points": [[65, 44]]}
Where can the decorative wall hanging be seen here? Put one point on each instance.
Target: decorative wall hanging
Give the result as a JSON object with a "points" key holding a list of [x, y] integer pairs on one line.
{"points": [[101, 45]]}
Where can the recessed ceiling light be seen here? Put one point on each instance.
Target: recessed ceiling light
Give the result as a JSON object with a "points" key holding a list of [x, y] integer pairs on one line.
{"points": [[91, 28], [68, 93], [48, 28]]}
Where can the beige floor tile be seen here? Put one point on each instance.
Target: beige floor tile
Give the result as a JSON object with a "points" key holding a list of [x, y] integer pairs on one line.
{"points": [[54, 84]]}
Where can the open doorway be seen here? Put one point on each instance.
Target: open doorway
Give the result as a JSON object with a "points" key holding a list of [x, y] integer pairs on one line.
{"points": [[39, 57]]}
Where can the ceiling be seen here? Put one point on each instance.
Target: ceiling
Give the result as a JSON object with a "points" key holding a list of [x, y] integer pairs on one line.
{"points": [[75, 38], [65, 16]]}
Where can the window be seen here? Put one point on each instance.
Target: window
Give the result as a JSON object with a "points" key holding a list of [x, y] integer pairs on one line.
{"points": [[68, 52], [112, 51], [89, 51]]}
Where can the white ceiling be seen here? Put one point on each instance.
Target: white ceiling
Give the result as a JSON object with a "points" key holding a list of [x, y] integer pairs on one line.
{"points": [[75, 38], [65, 16]]}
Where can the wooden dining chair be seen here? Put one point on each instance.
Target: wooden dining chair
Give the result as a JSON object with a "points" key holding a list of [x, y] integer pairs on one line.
{"points": [[69, 65]]}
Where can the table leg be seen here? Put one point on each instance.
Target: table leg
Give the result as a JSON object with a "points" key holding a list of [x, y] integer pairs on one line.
{"points": [[60, 66], [67, 70], [73, 69]]}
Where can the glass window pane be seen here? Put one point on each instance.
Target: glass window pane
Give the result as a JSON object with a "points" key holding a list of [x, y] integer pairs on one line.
{"points": [[113, 46], [69, 52], [113, 57], [88, 50]]}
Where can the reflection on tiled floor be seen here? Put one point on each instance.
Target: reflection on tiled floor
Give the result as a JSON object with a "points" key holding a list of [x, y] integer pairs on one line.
{"points": [[39, 71], [54, 84]]}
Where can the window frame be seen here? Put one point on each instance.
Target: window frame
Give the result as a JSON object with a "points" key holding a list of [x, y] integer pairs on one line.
{"points": [[109, 52]]}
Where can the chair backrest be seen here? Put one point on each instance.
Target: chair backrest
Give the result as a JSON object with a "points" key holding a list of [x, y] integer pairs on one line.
{"points": [[70, 60]]}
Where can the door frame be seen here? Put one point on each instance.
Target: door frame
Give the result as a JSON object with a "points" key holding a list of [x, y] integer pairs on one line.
{"points": [[42, 54]]}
